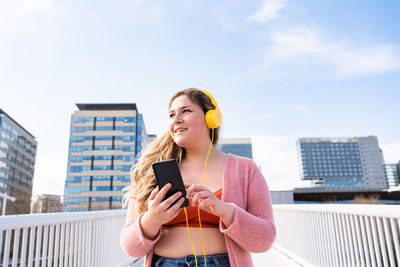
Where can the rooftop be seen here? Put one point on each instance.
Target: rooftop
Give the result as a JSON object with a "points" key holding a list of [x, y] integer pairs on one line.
{"points": [[107, 106]]}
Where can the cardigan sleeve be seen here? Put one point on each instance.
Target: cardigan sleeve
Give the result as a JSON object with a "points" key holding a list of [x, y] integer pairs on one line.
{"points": [[132, 239], [253, 228]]}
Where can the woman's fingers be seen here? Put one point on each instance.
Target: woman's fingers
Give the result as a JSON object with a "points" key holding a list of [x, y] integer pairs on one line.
{"points": [[207, 204], [161, 194], [154, 193], [198, 196], [195, 188], [174, 210], [168, 202]]}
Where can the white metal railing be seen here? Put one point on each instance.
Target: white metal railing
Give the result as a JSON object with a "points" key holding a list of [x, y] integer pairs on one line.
{"points": [[312, 235], [339, 234], [62, 239]]}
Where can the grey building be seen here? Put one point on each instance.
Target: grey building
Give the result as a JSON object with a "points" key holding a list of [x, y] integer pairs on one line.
{"points": [[17, 164], [342, 163], [104, 142], [237, 146], [392, 173]]}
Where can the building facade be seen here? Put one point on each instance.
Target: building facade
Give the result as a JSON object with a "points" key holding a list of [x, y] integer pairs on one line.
{"points": [[342, 163], [17, 164], [392, 173], [104, 142], [47, 203], [237, 146]]}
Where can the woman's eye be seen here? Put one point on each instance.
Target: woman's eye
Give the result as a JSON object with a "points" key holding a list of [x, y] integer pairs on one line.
{"points": [[171, 115], [186, 110]]}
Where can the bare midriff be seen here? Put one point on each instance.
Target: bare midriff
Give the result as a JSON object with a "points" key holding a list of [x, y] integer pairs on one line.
{"points": [[175, 242]]}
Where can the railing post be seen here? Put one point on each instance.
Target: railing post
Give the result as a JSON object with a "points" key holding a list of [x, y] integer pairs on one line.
{"points": [[354, 241], [364, 238], [382, 242], [24, 246], [16, 247], [90, 250], [7, 248], [395, 238], [388, 241]]}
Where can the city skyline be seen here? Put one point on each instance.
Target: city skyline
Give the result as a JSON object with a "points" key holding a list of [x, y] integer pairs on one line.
{"points": [[279, 70]]}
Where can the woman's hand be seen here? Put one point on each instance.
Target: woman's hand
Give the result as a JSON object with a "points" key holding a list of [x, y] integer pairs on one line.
{"points": [[201, 197], [159, 212]]}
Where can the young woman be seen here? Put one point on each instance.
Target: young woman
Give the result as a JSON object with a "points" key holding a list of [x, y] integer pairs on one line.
{"points": [[233, 197]]}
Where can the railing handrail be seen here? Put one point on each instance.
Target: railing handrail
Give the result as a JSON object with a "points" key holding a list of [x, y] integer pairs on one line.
{"points": [[10, 222], [387, 211]]}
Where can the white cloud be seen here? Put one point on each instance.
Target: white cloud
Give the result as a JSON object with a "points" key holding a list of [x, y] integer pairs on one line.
{"points": [[346, 59], [295, 42], [391, 152], [367, 60], [269, 10], [306, 47]]}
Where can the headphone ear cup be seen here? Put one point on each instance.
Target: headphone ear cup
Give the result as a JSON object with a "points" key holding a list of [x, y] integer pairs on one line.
{"points": [[213, 118]]}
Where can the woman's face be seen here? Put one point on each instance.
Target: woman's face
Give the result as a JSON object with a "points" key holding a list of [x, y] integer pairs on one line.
{"points": [[187, 124]]}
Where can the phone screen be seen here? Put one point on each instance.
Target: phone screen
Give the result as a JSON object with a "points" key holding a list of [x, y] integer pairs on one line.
{"points": [[167, 171]]}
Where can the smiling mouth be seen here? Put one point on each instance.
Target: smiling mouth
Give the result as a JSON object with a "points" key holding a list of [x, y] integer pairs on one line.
{"points": [[180, 130]]}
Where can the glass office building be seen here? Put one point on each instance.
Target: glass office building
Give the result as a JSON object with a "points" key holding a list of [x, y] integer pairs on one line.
{"points": [[17, 164], [104, 142], [392, 173], [237, 146], [341, 163]]}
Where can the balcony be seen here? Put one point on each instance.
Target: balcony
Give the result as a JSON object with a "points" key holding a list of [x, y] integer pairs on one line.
{"points": [[307, 235]]}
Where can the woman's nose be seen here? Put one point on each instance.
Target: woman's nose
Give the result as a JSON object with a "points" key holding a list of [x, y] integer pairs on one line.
{"points": [[177, 118]]}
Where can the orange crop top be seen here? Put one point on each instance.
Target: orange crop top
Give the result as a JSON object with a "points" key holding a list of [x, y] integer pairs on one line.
{"points": [[207, 219]]}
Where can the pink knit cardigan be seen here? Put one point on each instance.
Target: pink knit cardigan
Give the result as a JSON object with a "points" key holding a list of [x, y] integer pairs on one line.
{"points": [[252, 229]]}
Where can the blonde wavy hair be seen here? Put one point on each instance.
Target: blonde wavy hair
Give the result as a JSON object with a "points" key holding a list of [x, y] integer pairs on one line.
{"points": [[143, 180]]}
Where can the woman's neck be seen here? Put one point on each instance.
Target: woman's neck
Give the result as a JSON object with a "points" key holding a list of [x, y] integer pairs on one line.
{"points": [[199, 154]]}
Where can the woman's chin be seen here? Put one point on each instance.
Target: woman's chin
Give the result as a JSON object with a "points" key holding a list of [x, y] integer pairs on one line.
{"points": [[182, 142]]}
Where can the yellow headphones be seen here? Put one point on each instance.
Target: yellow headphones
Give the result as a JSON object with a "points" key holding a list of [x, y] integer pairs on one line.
{"points": [[213, 116]]}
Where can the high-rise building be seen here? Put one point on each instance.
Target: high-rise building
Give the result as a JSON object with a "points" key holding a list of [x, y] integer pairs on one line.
{"points": [[17, 164], [342, 163], [392, 173], [237, 146], [104, 142]]}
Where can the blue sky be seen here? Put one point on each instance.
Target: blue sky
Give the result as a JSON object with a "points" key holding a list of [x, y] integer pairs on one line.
{"points": [[279, 70]]}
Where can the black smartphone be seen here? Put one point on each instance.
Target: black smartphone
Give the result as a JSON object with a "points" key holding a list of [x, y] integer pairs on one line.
{"points": [[167, 171]]}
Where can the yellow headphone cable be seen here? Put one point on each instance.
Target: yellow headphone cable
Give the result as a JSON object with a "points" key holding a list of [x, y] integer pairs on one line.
{"points": [[198, 211]]}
